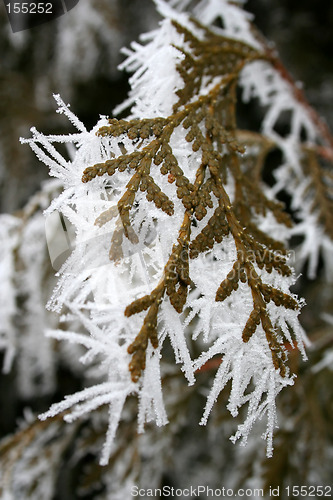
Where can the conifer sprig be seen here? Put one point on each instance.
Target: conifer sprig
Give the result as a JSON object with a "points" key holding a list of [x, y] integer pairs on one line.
{"points": [[210, 121], [198, 246]]}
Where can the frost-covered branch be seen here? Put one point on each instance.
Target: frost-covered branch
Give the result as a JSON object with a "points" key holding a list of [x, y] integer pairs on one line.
{"points": [[177, 240]]}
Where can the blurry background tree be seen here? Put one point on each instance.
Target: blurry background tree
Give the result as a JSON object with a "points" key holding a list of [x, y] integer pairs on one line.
{"points": [[76, 56]]}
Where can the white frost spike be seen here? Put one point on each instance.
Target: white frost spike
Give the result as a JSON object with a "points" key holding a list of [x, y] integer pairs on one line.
{"points": [[271, 384], [222, 376], [151, 406], [115, 411], [64, 109]]}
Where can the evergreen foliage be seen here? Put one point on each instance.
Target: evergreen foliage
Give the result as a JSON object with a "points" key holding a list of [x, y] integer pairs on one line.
{"points": [[178, 243]]}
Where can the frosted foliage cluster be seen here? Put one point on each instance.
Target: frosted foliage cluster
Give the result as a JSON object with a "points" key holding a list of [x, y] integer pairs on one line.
{"points": [[94, 290], [34, 470], [36, 366], [260, 80], [235, 21], [8, 238], [23, 328], [154, 68], [26, 284]]}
